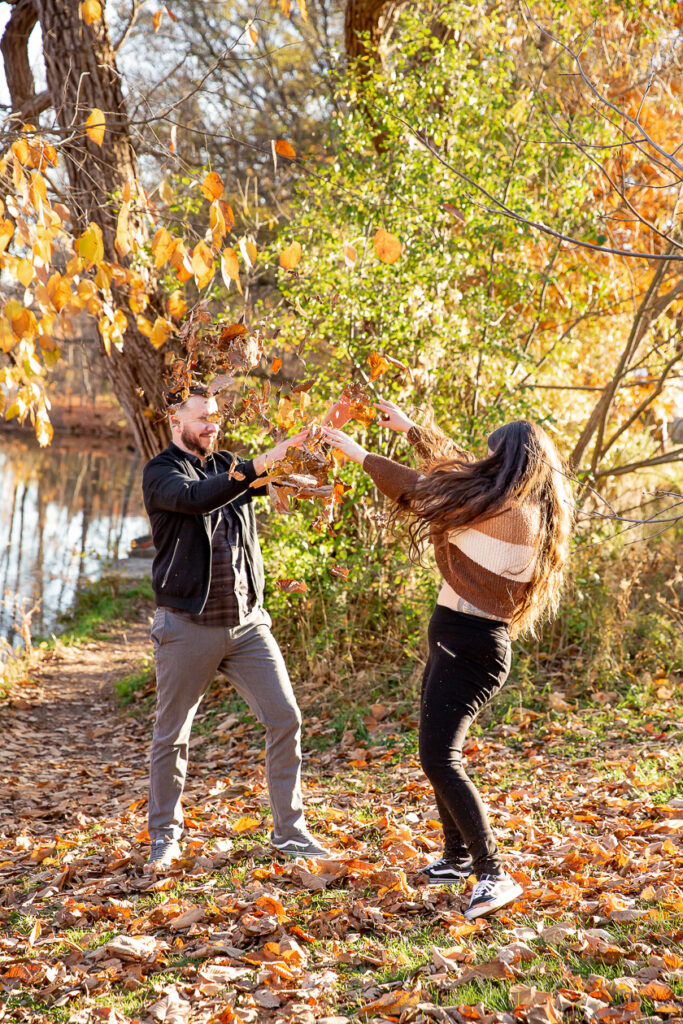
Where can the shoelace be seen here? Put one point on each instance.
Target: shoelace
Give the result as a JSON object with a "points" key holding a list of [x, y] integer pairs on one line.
{"points": [[485, 886]]}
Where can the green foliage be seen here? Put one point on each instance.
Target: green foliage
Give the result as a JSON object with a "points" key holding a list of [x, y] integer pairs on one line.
{"points": [[475, 306], [103, 604], [459, 305]]}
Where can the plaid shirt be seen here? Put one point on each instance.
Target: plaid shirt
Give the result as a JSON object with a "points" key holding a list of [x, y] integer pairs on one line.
{"points": [[231, 596]]}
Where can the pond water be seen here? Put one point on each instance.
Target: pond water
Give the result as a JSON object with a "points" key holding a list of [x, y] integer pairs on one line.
{"points": [[65, 513]]}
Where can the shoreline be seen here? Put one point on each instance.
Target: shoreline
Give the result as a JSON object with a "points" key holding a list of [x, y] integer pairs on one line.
{"points": [[102, 424]]}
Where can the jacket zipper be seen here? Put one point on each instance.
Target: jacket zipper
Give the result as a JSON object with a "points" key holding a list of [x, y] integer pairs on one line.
{"points": [[170, 564], [444, 648]]}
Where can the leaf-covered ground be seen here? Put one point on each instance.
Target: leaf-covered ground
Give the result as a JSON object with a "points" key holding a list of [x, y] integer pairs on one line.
{"points": [[583, 799]]}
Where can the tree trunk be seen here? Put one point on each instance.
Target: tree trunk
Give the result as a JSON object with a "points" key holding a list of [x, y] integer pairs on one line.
{"points": [[364, 23], [82, 75]]}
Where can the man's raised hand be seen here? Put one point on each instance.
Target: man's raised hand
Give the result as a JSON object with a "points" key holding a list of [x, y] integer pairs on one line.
{"points": [[267, 459]]}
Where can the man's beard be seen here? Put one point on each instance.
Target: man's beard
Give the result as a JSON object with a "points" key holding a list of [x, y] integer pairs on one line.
{"points": [[197, 445]]}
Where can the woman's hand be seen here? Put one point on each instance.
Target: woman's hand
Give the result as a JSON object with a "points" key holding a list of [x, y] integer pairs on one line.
{"points": [[266, 460], [338, 439], [392, 417]]}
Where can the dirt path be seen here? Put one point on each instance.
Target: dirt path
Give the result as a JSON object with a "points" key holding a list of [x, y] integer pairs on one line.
{"points": [[70, 757], [587, 814]]}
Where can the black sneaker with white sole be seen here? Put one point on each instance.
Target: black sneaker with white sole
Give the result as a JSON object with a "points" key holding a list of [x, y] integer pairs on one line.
{"points": [[491, 893], [444, 871]]}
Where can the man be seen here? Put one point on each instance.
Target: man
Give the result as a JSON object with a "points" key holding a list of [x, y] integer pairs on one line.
{"points": [[208, 580]]}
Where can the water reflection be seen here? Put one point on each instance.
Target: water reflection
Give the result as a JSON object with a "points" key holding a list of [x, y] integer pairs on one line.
{"points": [[63, 512]]}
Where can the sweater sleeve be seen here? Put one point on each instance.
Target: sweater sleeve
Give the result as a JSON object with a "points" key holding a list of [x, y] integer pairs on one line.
{"points": [[166, 488], [391, 478]]}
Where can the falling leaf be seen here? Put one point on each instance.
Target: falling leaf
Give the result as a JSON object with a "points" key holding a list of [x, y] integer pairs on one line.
{"points": [[91, 11], [291, 586], [275, 365], [378, 365], [387, 246], [156, 19], [350, 256], [339, 570], [95, 125], [453, 210], [283, 148], [291, 256], [284, 417], [252, 32], [233, 331], [304, 385], [359, 406]]}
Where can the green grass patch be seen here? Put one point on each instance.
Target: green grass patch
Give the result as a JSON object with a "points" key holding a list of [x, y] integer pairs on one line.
{"points": [[109, 602], [138, 685]]}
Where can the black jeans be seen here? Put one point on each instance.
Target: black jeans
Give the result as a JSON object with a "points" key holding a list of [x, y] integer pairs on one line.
{"points": [[469, 661]]}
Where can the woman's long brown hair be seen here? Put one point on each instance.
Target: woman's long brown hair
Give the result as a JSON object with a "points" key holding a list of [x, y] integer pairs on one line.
{"points": [[524, 467]]}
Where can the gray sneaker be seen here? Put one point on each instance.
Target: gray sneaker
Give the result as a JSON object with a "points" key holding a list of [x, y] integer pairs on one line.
{"points": [[304, 846], [162, 854]]}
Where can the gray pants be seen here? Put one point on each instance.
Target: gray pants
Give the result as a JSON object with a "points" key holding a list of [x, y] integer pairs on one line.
{"points": [[187, 656]]}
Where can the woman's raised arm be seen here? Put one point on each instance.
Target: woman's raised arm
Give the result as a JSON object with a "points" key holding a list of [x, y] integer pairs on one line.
{"points": [[430, 442], [390, 477]]}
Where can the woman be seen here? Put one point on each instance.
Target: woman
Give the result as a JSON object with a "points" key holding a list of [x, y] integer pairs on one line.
{"points": [[500, 527]]}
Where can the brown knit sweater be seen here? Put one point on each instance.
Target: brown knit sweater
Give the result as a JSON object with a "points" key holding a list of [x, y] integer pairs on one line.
{"points": [[489, 565]]}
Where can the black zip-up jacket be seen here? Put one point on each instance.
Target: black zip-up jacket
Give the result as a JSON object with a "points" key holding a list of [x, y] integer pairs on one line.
{"points": [[179, 498]]}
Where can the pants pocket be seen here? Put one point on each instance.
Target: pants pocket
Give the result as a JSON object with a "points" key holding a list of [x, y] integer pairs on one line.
{"points": [[158, 627]]}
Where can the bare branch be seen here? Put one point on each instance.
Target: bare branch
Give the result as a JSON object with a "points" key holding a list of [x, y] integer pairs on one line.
{"points": [[506, 211], [596, 92], [658, 460], [643, 405], [135, 8]]}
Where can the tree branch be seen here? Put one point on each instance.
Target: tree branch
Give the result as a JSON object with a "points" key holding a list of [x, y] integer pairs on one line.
{"points": [[602, 407], [659, 460]]}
